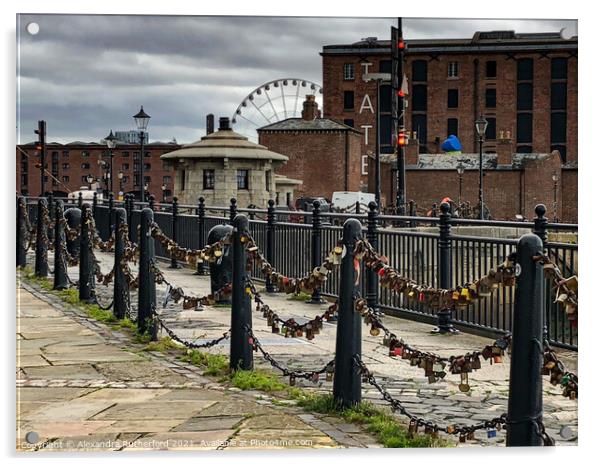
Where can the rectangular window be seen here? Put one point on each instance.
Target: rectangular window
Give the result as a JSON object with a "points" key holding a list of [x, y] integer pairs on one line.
{"points": [[348, 72], [147, 180], [147, 154], [490, 98], [125, 153], [66, 179], [419, 126], [490, 132], [558, 100], [85, 179], [137, 180], [85, 153], [268, 180], [559, 68], [384, 66], [385, 134], [524, 96], [524, 127], [137, 167], [24, 179], [65, 153], [385, 98], [349, 122], [419, 98], [208, 179], [86, 166], [558, 127], [524, 69], [125, 166], [348, 100], [136, 155], [166, 179], [147, 167], [182, 180], [242, 179], [491, 69], [419, 70], [166, 166], [452, 98], [452, 126], [452, 69], [65, 166], [125, 179], [524, 149]]}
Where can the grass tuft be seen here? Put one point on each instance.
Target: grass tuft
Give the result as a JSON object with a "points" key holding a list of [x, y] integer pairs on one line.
{"points": [[214, 364], [256, 380], [301, 296], [164, 345]]}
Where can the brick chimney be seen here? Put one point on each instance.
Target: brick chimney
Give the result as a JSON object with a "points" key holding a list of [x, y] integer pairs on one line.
{"points": [[310, 108], [412, 149], [210, 125], [504, 148], [224, 123]]}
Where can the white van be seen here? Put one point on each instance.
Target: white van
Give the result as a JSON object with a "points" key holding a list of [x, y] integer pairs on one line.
{"points": [[345, 201], [87, 194]]}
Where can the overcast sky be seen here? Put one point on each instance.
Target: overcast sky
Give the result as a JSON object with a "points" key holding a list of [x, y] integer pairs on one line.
{"points": [[86, 74]]}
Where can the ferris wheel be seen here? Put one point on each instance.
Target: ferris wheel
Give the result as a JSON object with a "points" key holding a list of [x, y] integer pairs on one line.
{"points": [[271, 102]]}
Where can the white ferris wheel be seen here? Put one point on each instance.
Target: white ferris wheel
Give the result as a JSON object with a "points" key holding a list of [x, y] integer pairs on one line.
{"points": [[271, 102]]}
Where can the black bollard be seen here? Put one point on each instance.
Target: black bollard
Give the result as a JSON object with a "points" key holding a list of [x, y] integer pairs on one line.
{"points": [[80, 200], [444, 324], [129, 205], [371, 277], [201, 267], [316, 249], [232, 210], [540, 228], [525, 398], [74, 218], [22, 233], [50, 231], [270, 241], [61, 279], [220, 271], [121, 290], [241, 351], [41, 269], [146, 287], [347, 388], [174, 230], [86, 274]]}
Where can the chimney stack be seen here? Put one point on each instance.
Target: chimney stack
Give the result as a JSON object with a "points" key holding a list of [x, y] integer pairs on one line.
{"points": [[504, 148], [310, 108], [224, 123], [210, 124]]}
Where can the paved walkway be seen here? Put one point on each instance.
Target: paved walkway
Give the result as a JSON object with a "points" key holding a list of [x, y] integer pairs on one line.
{"points": [[83, 386]]}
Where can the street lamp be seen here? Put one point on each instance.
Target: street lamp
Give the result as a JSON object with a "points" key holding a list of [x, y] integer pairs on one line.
{"points": [[120, 176], [163, 188], [460, 169], [111, 141], [141, 119], [555, 179], [481, 126], [90, 179]]}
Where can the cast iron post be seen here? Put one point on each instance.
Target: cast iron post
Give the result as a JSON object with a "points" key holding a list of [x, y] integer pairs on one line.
{"points": [[371, 277], [444, 324], [95, 207], [129, 204], [174, 230], [111, 213], [50, 230], [241, 351], [22, 233], [232, 210], [80, 200], [86, 274], [201, 267], [41, 269], [540, 228], [121, 290], [270, 242], [146, 292], [525, 397], [73, 216], [61, 279], [316, 249], [347, 388]]}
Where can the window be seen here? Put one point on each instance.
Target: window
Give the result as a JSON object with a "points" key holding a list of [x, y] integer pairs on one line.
{"points": [[490, 98], [524, 69], [268, 180], [558, 100], [208, 179], [147, 167], [452, 69], [559, 68], [348, 72], [166, 166], [452, 126], [147, 180], [562, 150], [558, 127], [147, 154], [452, 98], [65, 179], [490, 132], [65, 166], [524, 96], [125, 166], [125, 153], [349, 122], [85, 179], [24, 179], [242, 179], [125, 179], [137, 167], [86, 166], [136, 155], [348, 100], [384, 66], [419, 125], [419, 97], [524, 149], [137, 180], [166, 179], [385, 134], [85, 153], [524, 127], [385, 98], [490, 69], [182, 180], [65, 153], [419, 70]]}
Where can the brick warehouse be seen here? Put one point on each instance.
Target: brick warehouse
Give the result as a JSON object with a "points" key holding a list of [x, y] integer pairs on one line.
{"points": [[524, 84], [70, 164]]}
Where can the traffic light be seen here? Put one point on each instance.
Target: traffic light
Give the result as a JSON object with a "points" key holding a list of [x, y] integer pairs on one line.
{"points": [[41, 148]]}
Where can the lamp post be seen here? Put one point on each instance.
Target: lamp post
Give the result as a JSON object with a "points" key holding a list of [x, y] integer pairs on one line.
{"points": [[555, 179], [141, 119], [90, 179], [111, 141], [120, 176], [163, 188], [481, 126], [460, 169]]}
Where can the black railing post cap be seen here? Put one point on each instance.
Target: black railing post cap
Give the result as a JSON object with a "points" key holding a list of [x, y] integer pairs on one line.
{"points": [[540, 210], [233, 201], [372, 205], [151, 198], [111, 195], [174, 200], [201, 200], [271, 203], [445, 208], [316, 204]]}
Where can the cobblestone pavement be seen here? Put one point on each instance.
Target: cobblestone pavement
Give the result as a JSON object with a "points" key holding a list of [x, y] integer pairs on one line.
{"points": [[82, 386], [440, 402]]}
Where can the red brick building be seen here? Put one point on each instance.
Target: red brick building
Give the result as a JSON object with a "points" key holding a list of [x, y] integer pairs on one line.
{"points": [[323, 153], [524, 84], [68, 166]]}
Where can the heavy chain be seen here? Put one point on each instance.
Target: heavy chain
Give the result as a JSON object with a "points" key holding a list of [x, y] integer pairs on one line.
{"points": [[554, 367], [566, 288], [293, 374], [436, 298], [186, 343]]}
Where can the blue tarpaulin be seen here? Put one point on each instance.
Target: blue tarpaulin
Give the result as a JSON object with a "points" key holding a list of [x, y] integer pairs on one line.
{"points": [[451, 144]]}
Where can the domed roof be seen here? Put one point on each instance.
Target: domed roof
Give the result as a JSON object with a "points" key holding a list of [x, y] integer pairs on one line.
{"points": [[224, 143]]}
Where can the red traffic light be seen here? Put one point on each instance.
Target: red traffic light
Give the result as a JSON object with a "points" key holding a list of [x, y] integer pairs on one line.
{"points": [[401, 44], [400, 93], [401, 138]]}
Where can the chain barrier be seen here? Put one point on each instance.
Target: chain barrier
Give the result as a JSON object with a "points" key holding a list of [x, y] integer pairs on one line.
{"points": [[555, 368], [313, 376], [188, 344], [566, 288]]}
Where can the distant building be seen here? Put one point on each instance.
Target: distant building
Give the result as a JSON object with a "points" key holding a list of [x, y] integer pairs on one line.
{"points": [[130, 137]]}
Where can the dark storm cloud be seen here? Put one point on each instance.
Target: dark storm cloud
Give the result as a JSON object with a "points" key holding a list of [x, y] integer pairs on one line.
{"points": [[86, 74]]}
